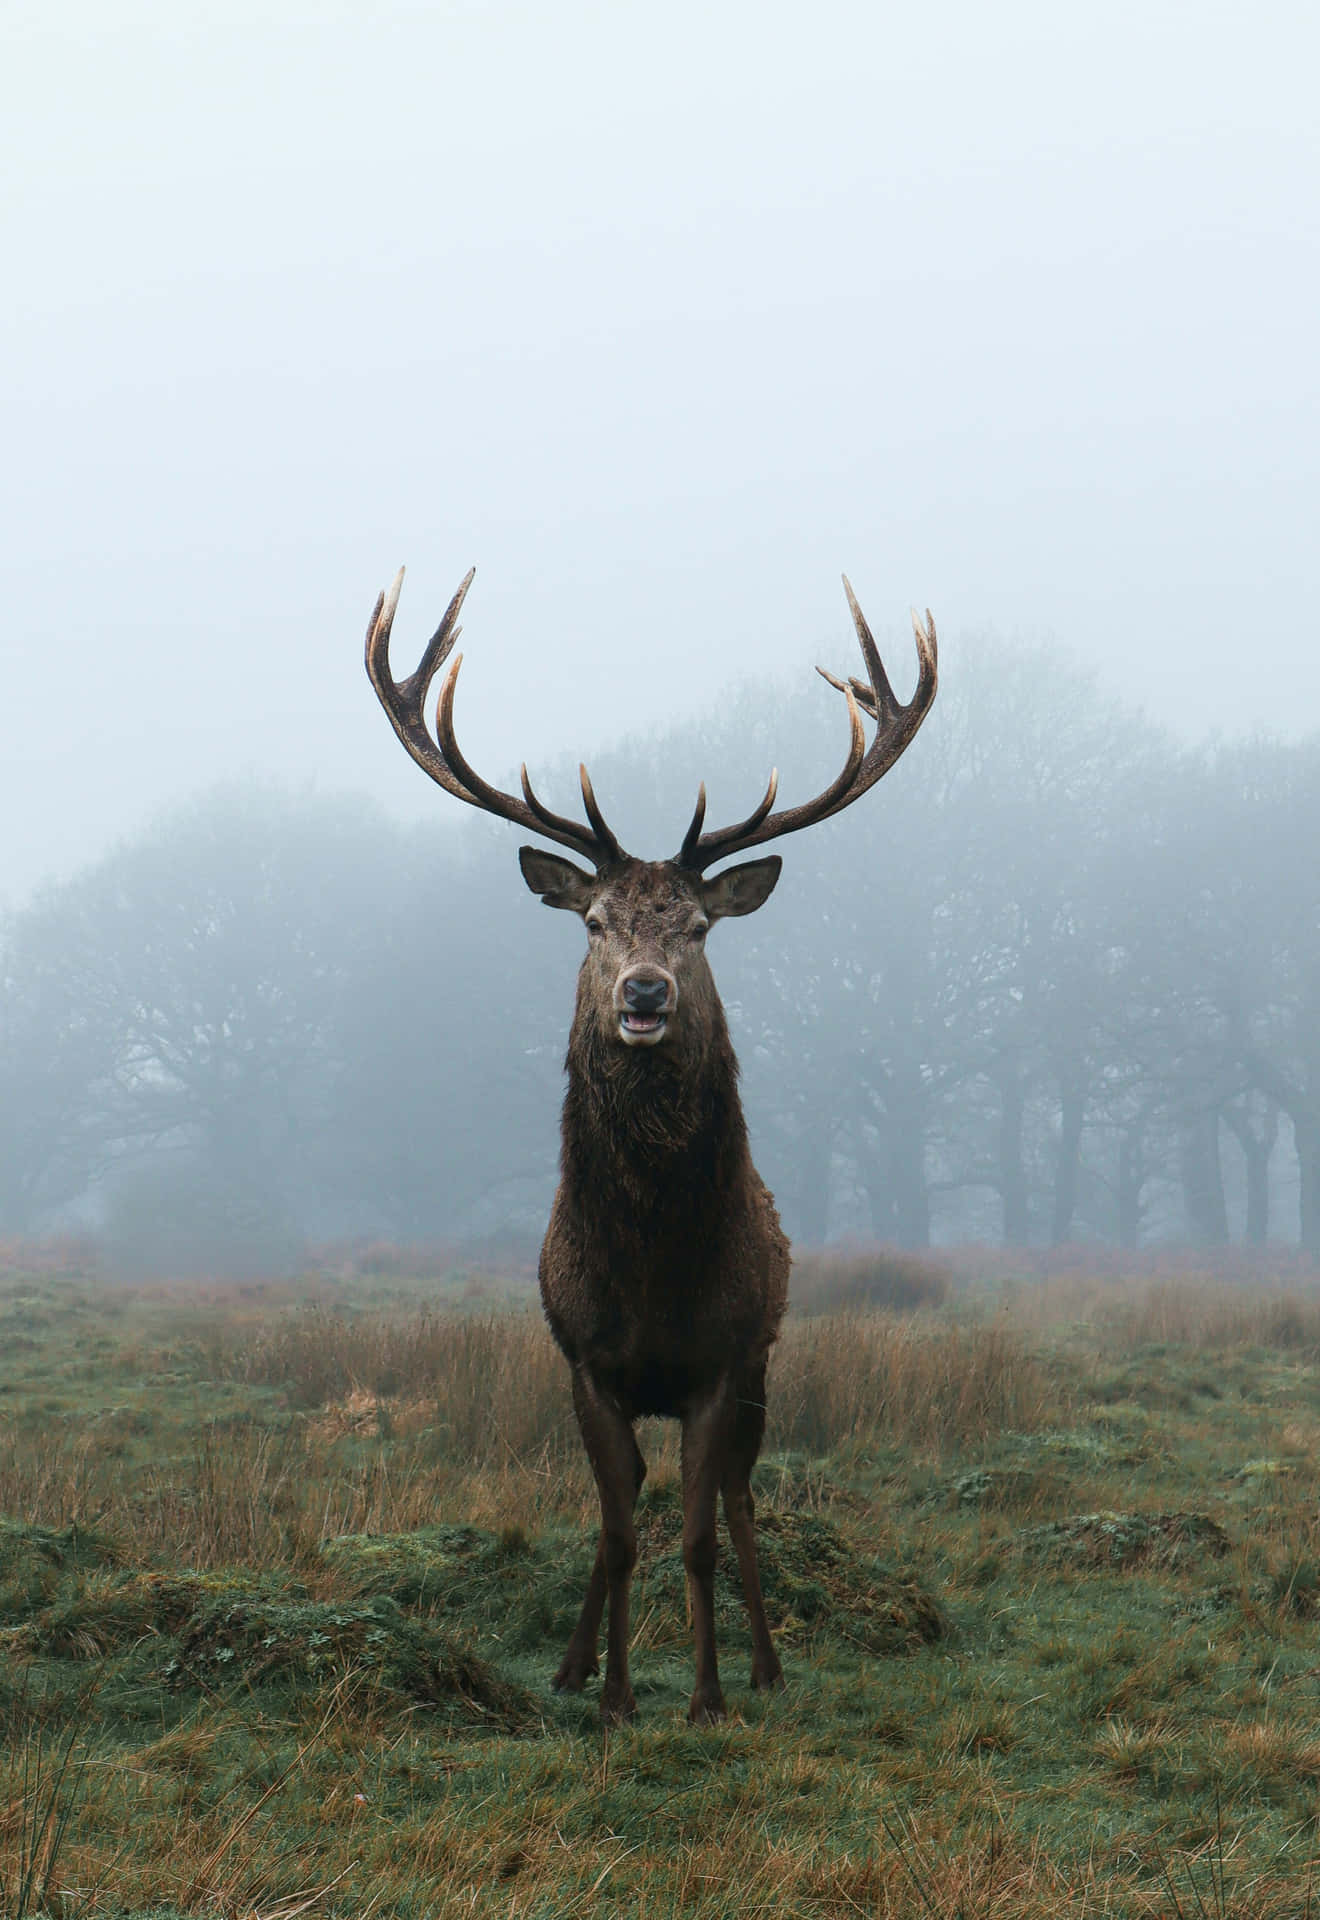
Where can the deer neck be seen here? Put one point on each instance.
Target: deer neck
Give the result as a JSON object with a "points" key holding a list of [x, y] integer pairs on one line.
{"points": [[653, 1119]]}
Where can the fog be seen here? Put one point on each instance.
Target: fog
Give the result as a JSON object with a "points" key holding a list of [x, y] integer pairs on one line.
{"points": [[663, 319], [1055, 980]]}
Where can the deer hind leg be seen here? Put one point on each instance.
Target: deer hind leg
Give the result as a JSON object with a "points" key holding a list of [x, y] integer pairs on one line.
{"points": [[706, 1438], [620, 1470], [740, 1513]]}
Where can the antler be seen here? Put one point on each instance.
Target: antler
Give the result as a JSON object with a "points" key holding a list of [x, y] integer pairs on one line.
{"points": [[404, 702], [896, 726]]}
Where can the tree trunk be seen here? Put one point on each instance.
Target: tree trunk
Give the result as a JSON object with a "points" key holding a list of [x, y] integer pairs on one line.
{"points": [[1131, 1179], [1258, 1192], [1203, 1180], [910, 1196], [873, 1173], [1306, 1133], [1012, 1173], [813, 1187], [1072, 1099], [1256, 1151]]}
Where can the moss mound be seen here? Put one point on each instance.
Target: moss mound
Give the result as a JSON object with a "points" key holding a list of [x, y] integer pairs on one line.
{"points": [[529, 1595], [467, 1578], [26, 1549], [65, 1599], [1005, 1487], [815, 1585], [311, 1644], [1126, 1539]]}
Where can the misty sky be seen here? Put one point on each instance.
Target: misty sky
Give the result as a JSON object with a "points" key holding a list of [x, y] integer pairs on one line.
{"points": [[662, 316]]}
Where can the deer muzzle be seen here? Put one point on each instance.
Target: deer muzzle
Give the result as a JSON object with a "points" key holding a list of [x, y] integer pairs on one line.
{"points": [[644, 998]]}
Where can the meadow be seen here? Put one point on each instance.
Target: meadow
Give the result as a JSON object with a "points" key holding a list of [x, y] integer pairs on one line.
{"points": [[285, 1568]]}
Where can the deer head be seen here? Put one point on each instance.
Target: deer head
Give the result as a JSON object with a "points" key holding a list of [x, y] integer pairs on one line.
{"points": [[646, 921]]}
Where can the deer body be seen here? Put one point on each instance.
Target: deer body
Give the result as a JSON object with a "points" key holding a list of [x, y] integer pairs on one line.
{"points": [[664, 1271], [657, 1281]]}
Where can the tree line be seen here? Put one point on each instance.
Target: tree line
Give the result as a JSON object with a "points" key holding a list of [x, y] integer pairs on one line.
{"points": [[1056, 979]]}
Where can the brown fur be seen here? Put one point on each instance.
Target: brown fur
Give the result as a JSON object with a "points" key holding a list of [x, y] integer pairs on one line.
{"points": [[664, 1272]]}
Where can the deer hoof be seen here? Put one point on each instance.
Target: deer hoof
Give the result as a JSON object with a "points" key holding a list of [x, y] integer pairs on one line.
{"points": [[618, 1710], [573, 1676], [768, 1679], [706, 1708]]}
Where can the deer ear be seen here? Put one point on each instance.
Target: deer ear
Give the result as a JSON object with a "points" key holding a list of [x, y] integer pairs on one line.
{"points": [[559, 882], [741, 889]]}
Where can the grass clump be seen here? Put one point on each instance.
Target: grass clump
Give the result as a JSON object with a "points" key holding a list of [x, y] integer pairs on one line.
{"points": [[525, 1595], [856, 1278], [817, 1586], [303, 1645], [1111, 1539], [843, 1381], [27, 1549]]}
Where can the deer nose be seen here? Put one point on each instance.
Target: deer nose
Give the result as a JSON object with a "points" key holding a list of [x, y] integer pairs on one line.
{"points": [[644, 993]]}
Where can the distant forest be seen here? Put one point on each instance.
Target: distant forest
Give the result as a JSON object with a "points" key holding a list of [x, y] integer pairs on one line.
{"points": [[1056, 979]]}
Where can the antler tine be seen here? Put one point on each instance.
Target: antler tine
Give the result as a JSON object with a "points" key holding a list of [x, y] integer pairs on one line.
{"points": [[480, 793], [596, 817], [896, 726], [608, 848], [693, 834], [404, 700], [865, 695], [441, 757], [713, 846], [927, 645], [875, 666], [549, 821]]}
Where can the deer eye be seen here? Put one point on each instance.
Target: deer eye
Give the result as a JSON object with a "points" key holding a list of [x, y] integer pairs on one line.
{"points": [[699, 933], [594, 926]]}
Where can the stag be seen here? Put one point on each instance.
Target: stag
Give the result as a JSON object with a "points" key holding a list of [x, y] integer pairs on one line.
{"points": [[664, 1271]]}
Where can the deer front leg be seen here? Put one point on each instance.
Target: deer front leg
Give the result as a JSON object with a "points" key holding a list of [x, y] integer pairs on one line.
{"points": [[580, 1660], [707, 1431], [740, 1512], [619, 1470]]}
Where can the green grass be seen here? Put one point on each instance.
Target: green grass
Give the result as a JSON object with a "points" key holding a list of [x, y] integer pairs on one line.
{"points": [[282, 1584]]}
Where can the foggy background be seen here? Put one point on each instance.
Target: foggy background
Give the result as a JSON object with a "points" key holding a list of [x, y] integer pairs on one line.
{"points": [[662, 318]]}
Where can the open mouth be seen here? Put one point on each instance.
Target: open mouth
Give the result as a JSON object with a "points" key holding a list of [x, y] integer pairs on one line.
{"points": [[642, 1029]]}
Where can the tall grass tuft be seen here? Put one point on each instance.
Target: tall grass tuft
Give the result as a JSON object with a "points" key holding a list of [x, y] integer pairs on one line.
{"points": [[46, 1776], [849, 1380], [860, 1277], [498, 1386]]}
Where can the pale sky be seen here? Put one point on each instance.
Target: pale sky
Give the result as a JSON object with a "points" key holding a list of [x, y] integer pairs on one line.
{"points": [[662, 317]]}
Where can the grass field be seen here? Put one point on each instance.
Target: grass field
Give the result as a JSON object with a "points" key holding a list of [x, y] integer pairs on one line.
{"points": [[284, 1572]]}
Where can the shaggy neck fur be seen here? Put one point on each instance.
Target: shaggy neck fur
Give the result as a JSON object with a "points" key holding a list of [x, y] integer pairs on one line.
{"points": [[661, 1126]]}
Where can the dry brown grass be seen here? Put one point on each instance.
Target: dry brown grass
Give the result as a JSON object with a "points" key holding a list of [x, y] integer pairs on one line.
{"points": [[853, 1379], [396, 1420], [1270, 1266], [495, 1380], [859, 1277], [1202, 1313], [501, 1388]]}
